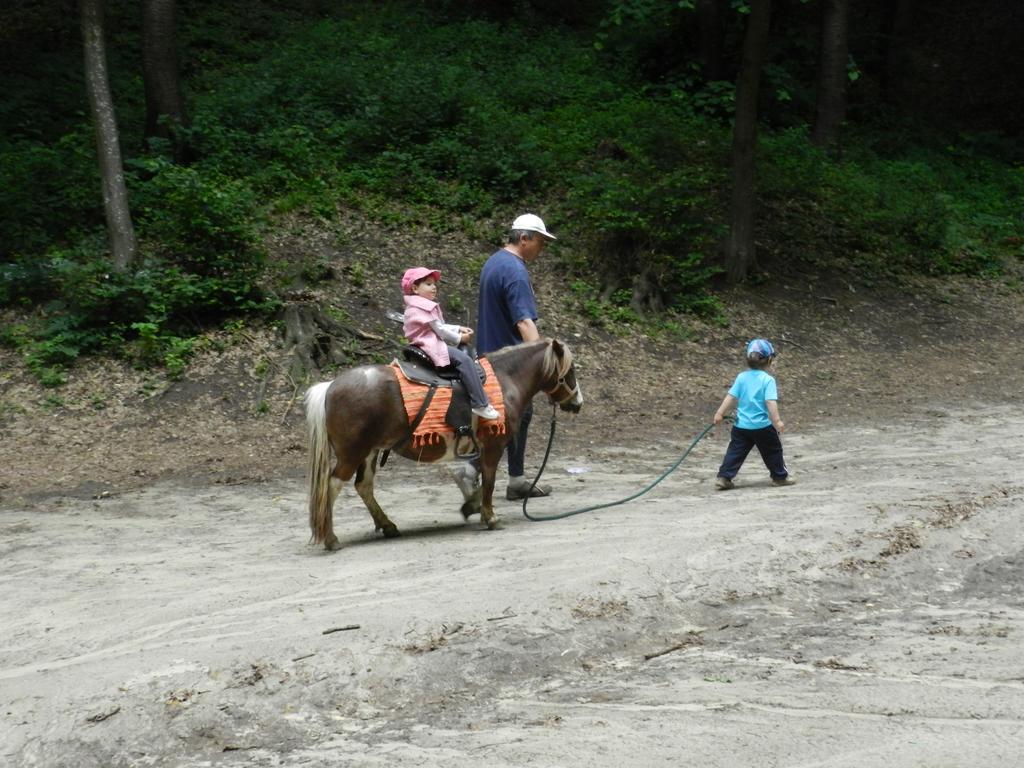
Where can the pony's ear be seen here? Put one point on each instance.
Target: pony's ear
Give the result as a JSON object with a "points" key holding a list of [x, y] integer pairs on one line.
{"points": [[557, 348]]}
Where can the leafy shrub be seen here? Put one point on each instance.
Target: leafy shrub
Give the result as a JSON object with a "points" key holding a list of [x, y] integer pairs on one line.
{"points": [[148, 315], [47, 191], [928, 210], [201, 228], [417, 113], [644, 196]]}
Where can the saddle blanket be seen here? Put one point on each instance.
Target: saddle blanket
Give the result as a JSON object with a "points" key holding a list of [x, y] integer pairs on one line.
{"points": [[434, 429]]}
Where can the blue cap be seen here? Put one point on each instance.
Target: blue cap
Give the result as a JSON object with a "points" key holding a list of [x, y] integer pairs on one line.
{"points": [[761, 348]]}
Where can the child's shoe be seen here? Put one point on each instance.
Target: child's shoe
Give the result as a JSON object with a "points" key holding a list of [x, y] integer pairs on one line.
{"points": [[723, 483], [787, 480], [486, 412]]}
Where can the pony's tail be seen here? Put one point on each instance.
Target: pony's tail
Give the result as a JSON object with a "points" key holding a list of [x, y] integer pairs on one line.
{"points": [[320, 506]]}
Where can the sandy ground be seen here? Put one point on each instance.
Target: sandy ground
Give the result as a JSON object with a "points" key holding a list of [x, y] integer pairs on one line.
{"points": [[871, 615]]}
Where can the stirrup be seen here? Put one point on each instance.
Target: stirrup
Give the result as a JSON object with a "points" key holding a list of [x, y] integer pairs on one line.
{"points": [[474, 447]]}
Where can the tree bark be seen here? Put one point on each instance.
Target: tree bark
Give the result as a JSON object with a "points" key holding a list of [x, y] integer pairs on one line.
{"points": [[165, 108], [900, 24], [318, 342], [709, 20], [740, 254], [831, 102], [108, 150]]}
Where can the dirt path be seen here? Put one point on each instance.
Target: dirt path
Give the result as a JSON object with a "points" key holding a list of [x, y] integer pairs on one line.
{"points": [[871, 615]]}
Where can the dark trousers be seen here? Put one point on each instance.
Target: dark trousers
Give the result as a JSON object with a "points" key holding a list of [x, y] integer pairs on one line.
{"points": [[467, 374], [517, 445], [516, 448], [768, 445]]}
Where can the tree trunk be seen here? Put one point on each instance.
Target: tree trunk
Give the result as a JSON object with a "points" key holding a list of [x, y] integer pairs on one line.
{"points": [[900, 25], [709, 20], [740, 255], [318, 342], [165, 108], [831, 108], [108, 150]]}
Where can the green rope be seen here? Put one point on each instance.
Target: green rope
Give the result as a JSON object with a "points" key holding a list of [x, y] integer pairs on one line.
{"points": [[638, 494]]}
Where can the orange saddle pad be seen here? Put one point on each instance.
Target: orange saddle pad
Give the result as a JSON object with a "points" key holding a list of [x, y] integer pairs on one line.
{"points": [[433, 429]]}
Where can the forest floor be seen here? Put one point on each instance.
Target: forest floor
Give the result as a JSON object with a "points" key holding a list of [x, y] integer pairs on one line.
{"points": [[162, 606]]}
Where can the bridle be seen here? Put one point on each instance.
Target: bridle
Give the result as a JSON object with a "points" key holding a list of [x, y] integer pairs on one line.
{"points": [[561, 383]]}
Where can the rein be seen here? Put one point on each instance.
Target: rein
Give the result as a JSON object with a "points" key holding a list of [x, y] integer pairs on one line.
{"points": [[593, 507]]}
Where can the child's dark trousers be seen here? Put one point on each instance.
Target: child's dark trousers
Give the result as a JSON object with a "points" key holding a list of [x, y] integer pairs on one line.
{"points": [[768, 445]]}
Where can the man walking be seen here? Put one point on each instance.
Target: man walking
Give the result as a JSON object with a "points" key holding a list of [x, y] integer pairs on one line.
{"points": [[506, 315]]}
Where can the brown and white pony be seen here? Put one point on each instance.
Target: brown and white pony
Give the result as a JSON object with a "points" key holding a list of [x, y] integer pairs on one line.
{"points": [[361, 413]]}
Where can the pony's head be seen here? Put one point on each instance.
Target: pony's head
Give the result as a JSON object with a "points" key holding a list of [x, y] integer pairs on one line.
{"points": [[559, 373]]}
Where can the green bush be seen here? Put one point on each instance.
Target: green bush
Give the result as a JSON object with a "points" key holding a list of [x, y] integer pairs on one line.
{"points": [[442, 115], [148, 315], [201, 229], [47, 192], [930, 210], [642, 198]]}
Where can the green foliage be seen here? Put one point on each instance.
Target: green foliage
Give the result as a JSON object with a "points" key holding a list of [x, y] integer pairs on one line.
{"points": [[612, 314], [47, 191], [933, 210], [205, 226], [154, 346], [646, 191], [448, 115], [200, 262], [149, 315], [454, 302]]}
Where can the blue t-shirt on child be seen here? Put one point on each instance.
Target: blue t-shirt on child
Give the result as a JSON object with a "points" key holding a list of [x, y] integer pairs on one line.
{"points": [[506, 297], [752, 389]]}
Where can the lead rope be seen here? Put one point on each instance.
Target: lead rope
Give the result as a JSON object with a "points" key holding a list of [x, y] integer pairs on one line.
{"points": [[560, 515]]}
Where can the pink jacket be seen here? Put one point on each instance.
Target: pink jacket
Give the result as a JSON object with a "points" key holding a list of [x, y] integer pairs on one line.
{"points": [[419, 314]]}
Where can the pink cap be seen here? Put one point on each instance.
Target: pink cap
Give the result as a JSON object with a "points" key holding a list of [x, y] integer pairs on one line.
{"points": [[415, 274]]}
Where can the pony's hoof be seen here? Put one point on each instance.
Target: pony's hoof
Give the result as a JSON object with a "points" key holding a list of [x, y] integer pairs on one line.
{"points": [[391, 532], [332, 545], [469, 508], [494, 524]]}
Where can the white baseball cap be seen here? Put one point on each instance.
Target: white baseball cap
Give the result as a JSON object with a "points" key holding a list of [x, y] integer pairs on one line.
{"points": [[531, 222]]}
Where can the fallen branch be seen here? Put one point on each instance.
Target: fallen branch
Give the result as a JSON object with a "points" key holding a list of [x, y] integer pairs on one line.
{"points": [[367, 335], [340, 629], [295, 394], [101, 716], [692, 640]]}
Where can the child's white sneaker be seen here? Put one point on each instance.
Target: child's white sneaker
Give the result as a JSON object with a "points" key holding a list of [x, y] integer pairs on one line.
{"points": [[486, 412], [787, 480]]}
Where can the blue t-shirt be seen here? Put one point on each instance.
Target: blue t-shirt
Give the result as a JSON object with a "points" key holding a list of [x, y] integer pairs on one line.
{"points": [[506, 297], [752, 389]]}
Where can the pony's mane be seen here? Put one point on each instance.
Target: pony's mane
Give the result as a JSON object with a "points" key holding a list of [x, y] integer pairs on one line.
{"points": [[551, 367]]}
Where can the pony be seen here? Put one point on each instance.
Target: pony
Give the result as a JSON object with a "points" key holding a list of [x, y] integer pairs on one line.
{"points": [[360, 413]]}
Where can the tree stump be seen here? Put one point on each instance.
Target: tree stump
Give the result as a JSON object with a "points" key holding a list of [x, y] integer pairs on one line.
{"points": [[316, 340]]}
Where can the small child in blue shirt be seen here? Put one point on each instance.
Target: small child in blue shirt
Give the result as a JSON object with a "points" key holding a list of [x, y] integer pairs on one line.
{"points": [[755, 397]]}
